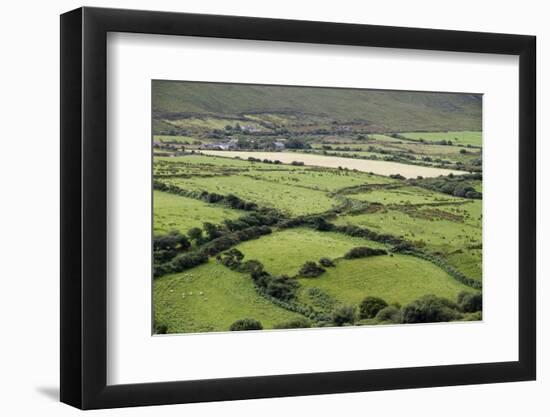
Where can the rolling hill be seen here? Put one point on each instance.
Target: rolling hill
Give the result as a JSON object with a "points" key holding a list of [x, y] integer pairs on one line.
{"points": [[384, 110]]}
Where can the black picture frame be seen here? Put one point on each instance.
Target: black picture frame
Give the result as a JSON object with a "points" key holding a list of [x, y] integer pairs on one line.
{"points": [[84, 207]]}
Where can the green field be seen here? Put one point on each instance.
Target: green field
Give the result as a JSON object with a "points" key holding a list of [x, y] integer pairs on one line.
{"points": [[398, 279], [174, 212], [456, 137], [286, 198], [286, 251], [404, 195], [285, 207], [209, 298]]}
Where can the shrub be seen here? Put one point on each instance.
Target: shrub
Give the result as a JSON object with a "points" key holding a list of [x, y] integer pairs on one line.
{"points": [[469, 302], [430, 309], [370, 306], [311, 270], [251, 266], [363, 252], [343, 315], [195, 234], [299, 323], [282, 287], [160, 328], [231, 259], [389, 314], [246, 324], [188, 260], [326, 262]]}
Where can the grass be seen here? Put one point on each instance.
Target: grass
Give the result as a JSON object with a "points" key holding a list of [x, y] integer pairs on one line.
{"points": [[383, 110], [286, 198], [174, 212], [284, 252], [396, 279], [457, 137], [445, 230], [404, 195], [210, 298], [320, 178]]}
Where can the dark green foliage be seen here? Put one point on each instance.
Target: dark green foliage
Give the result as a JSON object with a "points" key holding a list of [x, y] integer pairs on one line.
{"points": [[456, 185], [370, 306], [343, 315], [212, 231], [160, 328], [188, 260], [470, 302], [246, 324], [299, 323], [363, 252], [389, 314], [251, 267], [295, 143], [326, 262], [165, 247], [430, 309], [311, 270], [281, 287], [231, 259], [195, 234]]}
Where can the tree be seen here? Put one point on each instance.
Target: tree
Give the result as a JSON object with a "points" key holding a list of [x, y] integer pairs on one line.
{"points": [[326, 262], [311, 270], [370, 306], [343, 315], [299, 323], [212, 231], [246, 324], [195, 234], [430, 309], [389, 314], [231, 259], [470, 302]]}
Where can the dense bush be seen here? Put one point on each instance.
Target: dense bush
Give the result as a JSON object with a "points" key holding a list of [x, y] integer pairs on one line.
{"points": [[389, 314], [470, 302], [326, 262], [343, 315], [188, 260], [299, 323], [166, 247], [311, 270], [370, 306], [430, 309], [363, 252], [160, 328], [231, 259], [281, 287], [246, 324]]}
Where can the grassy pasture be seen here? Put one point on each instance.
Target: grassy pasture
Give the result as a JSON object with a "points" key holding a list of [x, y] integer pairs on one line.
{"points": [[431, 227], [320, 179], [458, 138], [284, 252], [398, 278], [404, 195], [174, 212], [226, 296], [287, 198], [179, 139]]}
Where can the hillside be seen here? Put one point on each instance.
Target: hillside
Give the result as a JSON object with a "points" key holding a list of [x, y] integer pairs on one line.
{"points": [[383, 110]]}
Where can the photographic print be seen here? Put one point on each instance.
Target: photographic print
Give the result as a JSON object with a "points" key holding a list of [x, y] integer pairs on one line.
{"points": [[290, 207]]}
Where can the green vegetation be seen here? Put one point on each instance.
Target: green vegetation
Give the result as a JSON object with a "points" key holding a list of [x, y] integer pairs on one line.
{"points": [[285, 252], [268, 214], [396, 279], [174, 212], [209, 298], [456, 138]]}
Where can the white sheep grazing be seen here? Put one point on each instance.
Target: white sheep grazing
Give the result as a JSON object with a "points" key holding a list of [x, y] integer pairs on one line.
{"points": [[201, 293]]}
